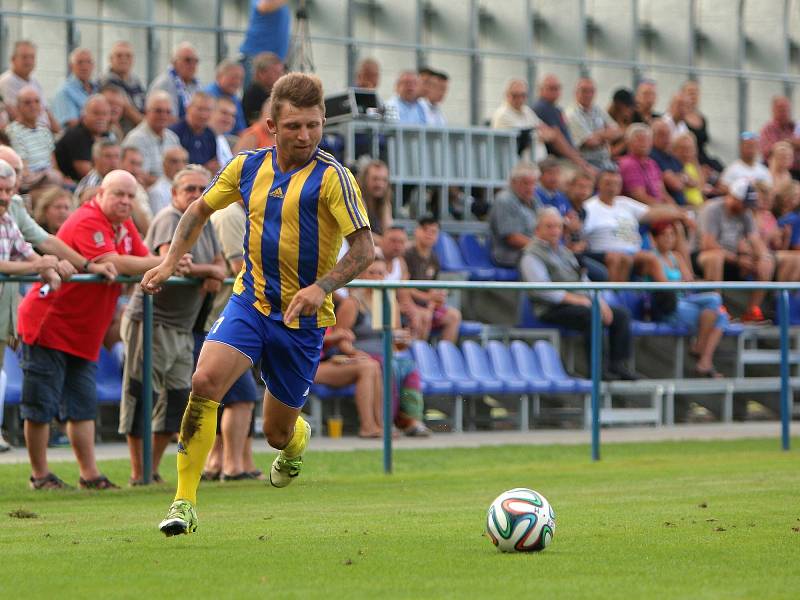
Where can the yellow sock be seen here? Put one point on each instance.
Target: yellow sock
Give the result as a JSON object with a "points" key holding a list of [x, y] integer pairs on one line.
{"points": [[297, 445], [198, 430]]}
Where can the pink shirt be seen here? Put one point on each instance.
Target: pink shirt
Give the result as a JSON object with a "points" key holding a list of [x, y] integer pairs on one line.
{"points": [[771, 134], [640, 173]]}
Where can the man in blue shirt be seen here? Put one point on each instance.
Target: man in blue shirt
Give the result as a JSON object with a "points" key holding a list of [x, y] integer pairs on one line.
{"points": [[548, 192], [405, 105], [228, 82], [194, 133], [268, 31], [72, 95], [671, 167]]}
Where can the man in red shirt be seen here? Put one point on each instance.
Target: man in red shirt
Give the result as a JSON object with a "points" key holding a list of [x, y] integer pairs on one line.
{"points": [[62, 331]]}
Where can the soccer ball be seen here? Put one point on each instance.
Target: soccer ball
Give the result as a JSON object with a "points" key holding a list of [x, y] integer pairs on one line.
{"points": [[521, 520]]}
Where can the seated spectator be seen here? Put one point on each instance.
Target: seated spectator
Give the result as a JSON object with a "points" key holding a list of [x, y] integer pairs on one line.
{"points": [[780, 164], [592, 130], [423, 265], [787, 262], [222, 121], [74, 150], [696, 122], [545, 259], [194, 133], [355, 313], [19, 75], [701, 312], [787, 207], [394, 245], [152, 137], [53, 207], [33, 142], [359, 369], [258, 134], [579, 188], [684, 148], [645, 102], [433, 92], [106, 156], [673, 177], [641, 176], [160, 193], [730, 248], [116, 104], [227, 84], [368, 74], [373, 179], [405, 105], [611, 229], [512, 217], [132, 161], [120, 74], [76, 90], [621, 111], [747, 166], [675, 116], [781, 129], [175, 310], [179, 81], [267, 69], [548, 192]]}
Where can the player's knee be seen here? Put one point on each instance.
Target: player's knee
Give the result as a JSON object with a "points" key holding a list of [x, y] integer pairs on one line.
{"points": [[204, 385], [276, 437]]}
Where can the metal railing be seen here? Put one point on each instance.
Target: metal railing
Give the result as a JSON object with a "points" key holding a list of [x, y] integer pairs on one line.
{"points": [[782, 289]]}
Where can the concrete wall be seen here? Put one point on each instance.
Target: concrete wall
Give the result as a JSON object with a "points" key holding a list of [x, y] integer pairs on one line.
{"points": [[387, 30]]}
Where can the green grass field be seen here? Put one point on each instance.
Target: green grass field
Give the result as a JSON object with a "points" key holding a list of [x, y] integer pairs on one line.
{"points": [[669, 520]]}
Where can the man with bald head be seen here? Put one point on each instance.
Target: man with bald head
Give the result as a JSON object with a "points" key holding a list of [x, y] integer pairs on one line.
{"points": [[405, 105], [781, 128], [160, 193], [179, 81], [62, 331], [592, 129], [73, 94], [74, 149], [152, 137]]}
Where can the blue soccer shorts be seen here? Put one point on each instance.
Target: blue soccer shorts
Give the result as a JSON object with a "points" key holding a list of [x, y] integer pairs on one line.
{"points": [[289, 357]]}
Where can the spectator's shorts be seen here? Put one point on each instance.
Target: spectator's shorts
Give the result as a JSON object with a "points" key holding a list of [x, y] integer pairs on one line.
{"points": [[437, 320], [730, 270], [172, 377], [57, 384], [289, 357]]}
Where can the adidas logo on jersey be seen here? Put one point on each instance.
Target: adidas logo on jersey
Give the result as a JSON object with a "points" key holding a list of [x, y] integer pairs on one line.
{"points": [[276, 193]]}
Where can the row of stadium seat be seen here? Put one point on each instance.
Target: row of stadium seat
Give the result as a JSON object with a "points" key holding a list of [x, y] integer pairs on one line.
{"points": [[470, 255]]}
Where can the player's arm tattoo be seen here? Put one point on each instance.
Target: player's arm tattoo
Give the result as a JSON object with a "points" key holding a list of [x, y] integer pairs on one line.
{"points": [[358, 257], [189, 229]]}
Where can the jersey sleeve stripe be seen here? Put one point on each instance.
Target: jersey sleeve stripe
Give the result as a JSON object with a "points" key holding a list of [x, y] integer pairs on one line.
{"points": [[344, 193], [347, 188]]}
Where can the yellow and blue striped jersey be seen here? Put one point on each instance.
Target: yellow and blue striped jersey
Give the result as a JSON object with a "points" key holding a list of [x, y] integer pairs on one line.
{"points": [[295, 225]]}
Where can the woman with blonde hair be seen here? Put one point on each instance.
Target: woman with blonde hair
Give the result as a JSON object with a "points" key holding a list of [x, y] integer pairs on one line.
{"points": [[684, 147], [780, 164], [53, 206]]}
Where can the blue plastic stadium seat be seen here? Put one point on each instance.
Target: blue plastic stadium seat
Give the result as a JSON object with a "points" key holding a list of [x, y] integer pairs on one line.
{"points": [[554, 369], [477, 255], [528, 367], [430, 371], [529, 320], [506, 368], [13, 377], [326, 392], [636, 302], [470, 328], [455, 370], [480, 369], [109, 378]]}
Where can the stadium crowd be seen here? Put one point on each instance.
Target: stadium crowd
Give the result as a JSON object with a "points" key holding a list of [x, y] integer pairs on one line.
{"points": [[95, 175]]}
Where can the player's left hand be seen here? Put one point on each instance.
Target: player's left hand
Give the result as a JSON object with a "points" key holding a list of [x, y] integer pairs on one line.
{"points": [[305, 302]]}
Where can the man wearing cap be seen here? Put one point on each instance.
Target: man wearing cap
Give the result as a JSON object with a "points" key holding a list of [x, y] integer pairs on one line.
{"points": [[747, 166], [729, 246]]}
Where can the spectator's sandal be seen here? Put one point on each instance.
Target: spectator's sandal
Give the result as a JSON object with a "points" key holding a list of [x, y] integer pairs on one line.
{"points": [[240, 476], [101, 483], [154, 479], [210, 475], [48, 482]]}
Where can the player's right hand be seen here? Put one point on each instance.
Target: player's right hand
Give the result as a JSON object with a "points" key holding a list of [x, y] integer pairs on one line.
{"points": [[152, 280]]}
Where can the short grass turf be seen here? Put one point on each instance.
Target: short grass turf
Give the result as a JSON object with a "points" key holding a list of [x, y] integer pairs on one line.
{"points": [[664, 520]]}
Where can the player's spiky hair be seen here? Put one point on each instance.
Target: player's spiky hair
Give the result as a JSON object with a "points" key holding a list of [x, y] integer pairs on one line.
{"points": [[298, 89]]}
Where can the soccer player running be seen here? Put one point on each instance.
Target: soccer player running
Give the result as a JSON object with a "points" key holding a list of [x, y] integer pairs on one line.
{"points": [[300, 202]]}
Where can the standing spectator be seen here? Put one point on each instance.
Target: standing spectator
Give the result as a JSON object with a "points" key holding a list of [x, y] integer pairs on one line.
{"points": [[222, 121], [423, 265], [405, 106], [152, 137], [267, 31], [120, 73], [641, 176], [160, 193], [174, 314], [116, 104], [548, 192], [645, 102], [684, 149], [74, 150], [179, 80], [729, 246], [781, 128], [258, 134], [267, 69], [545, 259], [512, 217], [20, 74], [194, 133], [373, 179], [53, 208], [33, 142], [433, 96], [368, 74], [72, 95], [62, 332], [780, 164], [747, 166], [228, 82], [592, 130], [697, 124], [105, 158], [672, 171], [621, 110]]}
